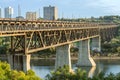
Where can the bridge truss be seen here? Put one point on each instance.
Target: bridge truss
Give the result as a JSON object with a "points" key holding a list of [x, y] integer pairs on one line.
{"points": [[31, 36]]}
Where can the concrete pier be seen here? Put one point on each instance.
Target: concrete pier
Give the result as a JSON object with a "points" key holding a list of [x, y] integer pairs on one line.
{"points": [[19, 62], [10, 60], [84, 58], [63, 56], [26, 62], [96, 44]]}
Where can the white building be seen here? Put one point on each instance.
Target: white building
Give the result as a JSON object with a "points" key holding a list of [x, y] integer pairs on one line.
{"points": [[50, 13], [8, 12], [31, 15]]}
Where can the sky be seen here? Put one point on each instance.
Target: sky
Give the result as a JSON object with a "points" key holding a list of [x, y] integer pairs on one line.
{"points": [[66, 8]]}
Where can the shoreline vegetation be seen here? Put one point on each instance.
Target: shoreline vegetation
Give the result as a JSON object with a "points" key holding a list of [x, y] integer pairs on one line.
{"points": [[62, 73], [77, 58], [3, 57]]}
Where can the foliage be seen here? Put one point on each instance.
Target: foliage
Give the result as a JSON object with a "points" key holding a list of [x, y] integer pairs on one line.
{"points": [[112, 19], [73, 49], [78, 74], [4, 46], [112, 46], [118, 50], [65, 74], [7, 74]]}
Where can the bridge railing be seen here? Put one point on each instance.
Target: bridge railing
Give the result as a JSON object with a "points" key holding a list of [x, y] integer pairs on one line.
{"points": [[15, 25]]}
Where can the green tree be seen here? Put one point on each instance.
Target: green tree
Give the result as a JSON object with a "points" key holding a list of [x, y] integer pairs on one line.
{"points": [[118, 50], [7, 74], [64, 74]]}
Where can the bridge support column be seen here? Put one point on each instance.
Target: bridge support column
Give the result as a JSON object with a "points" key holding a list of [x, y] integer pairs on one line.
{"points": [[10, 60], [26, 62], [63, 56], [84, 58], [96, 43], [19, 62]]}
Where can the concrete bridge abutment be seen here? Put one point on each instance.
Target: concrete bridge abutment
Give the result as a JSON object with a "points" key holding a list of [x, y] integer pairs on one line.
{"points": [[19, 62], [84, 58], [63, 56]]}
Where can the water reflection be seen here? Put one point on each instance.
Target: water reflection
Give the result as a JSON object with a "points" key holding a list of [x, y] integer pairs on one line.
{"points": [[42, 71], [43, 67], [91, 71], [108, 66]]}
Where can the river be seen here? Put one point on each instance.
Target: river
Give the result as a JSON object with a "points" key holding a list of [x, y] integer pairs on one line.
{"points": [[43, 67]]}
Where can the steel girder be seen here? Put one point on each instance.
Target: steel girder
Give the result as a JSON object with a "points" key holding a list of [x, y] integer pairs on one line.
{"points": [[33, 41], [108, 33]]}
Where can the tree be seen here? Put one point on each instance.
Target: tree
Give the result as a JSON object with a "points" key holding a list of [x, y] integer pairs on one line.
{"points": [[7, 74], [118, 50], [64, 74]]}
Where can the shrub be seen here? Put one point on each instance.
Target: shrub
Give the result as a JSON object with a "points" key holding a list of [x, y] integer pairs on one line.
{"points": [[7, 74]]}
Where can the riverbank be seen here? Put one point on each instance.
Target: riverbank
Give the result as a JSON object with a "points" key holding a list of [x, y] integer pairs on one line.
{"points": [[75, 58], [4, 57], [103, 57]]}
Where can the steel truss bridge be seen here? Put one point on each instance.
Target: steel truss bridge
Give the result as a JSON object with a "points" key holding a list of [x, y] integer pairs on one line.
{"points": [[31, 36]]}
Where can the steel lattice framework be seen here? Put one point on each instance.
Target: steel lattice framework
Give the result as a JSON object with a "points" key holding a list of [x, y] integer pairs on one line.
{"points": [[31, 36]]}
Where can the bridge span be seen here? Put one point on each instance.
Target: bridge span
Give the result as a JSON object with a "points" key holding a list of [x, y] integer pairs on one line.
{"points": [[32, 36]]}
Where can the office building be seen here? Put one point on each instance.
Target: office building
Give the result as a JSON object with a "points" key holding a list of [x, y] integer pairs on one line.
{"points": [[50, 13], [8, 12], [31, 15]]}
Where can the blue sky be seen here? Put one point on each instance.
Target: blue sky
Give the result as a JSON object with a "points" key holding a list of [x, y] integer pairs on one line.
{"points": [[66, 8]]}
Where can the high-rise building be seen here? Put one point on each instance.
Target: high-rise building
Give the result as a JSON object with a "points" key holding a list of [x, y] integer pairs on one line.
{"points": [[8, 12], [19, 17], [31, 15], [50, 13], [0, 12]]}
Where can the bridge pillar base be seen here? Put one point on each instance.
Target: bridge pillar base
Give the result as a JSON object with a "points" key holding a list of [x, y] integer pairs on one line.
{"points": [[84, 58], [10, 60], [63, 56], [19, 62], [26, 62], [96, 44]]}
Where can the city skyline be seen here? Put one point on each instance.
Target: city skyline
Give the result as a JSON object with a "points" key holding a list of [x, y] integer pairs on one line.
{"points": [[66, 8]]}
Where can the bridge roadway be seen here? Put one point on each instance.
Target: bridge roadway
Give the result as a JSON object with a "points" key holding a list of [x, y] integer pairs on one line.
{"points": [[32, 36]]}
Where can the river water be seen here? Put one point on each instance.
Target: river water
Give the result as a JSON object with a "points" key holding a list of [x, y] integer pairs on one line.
{"points": [[43, 67]]}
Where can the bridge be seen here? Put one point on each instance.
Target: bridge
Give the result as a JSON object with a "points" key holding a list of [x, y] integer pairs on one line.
{"points": [[32, 36]]}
